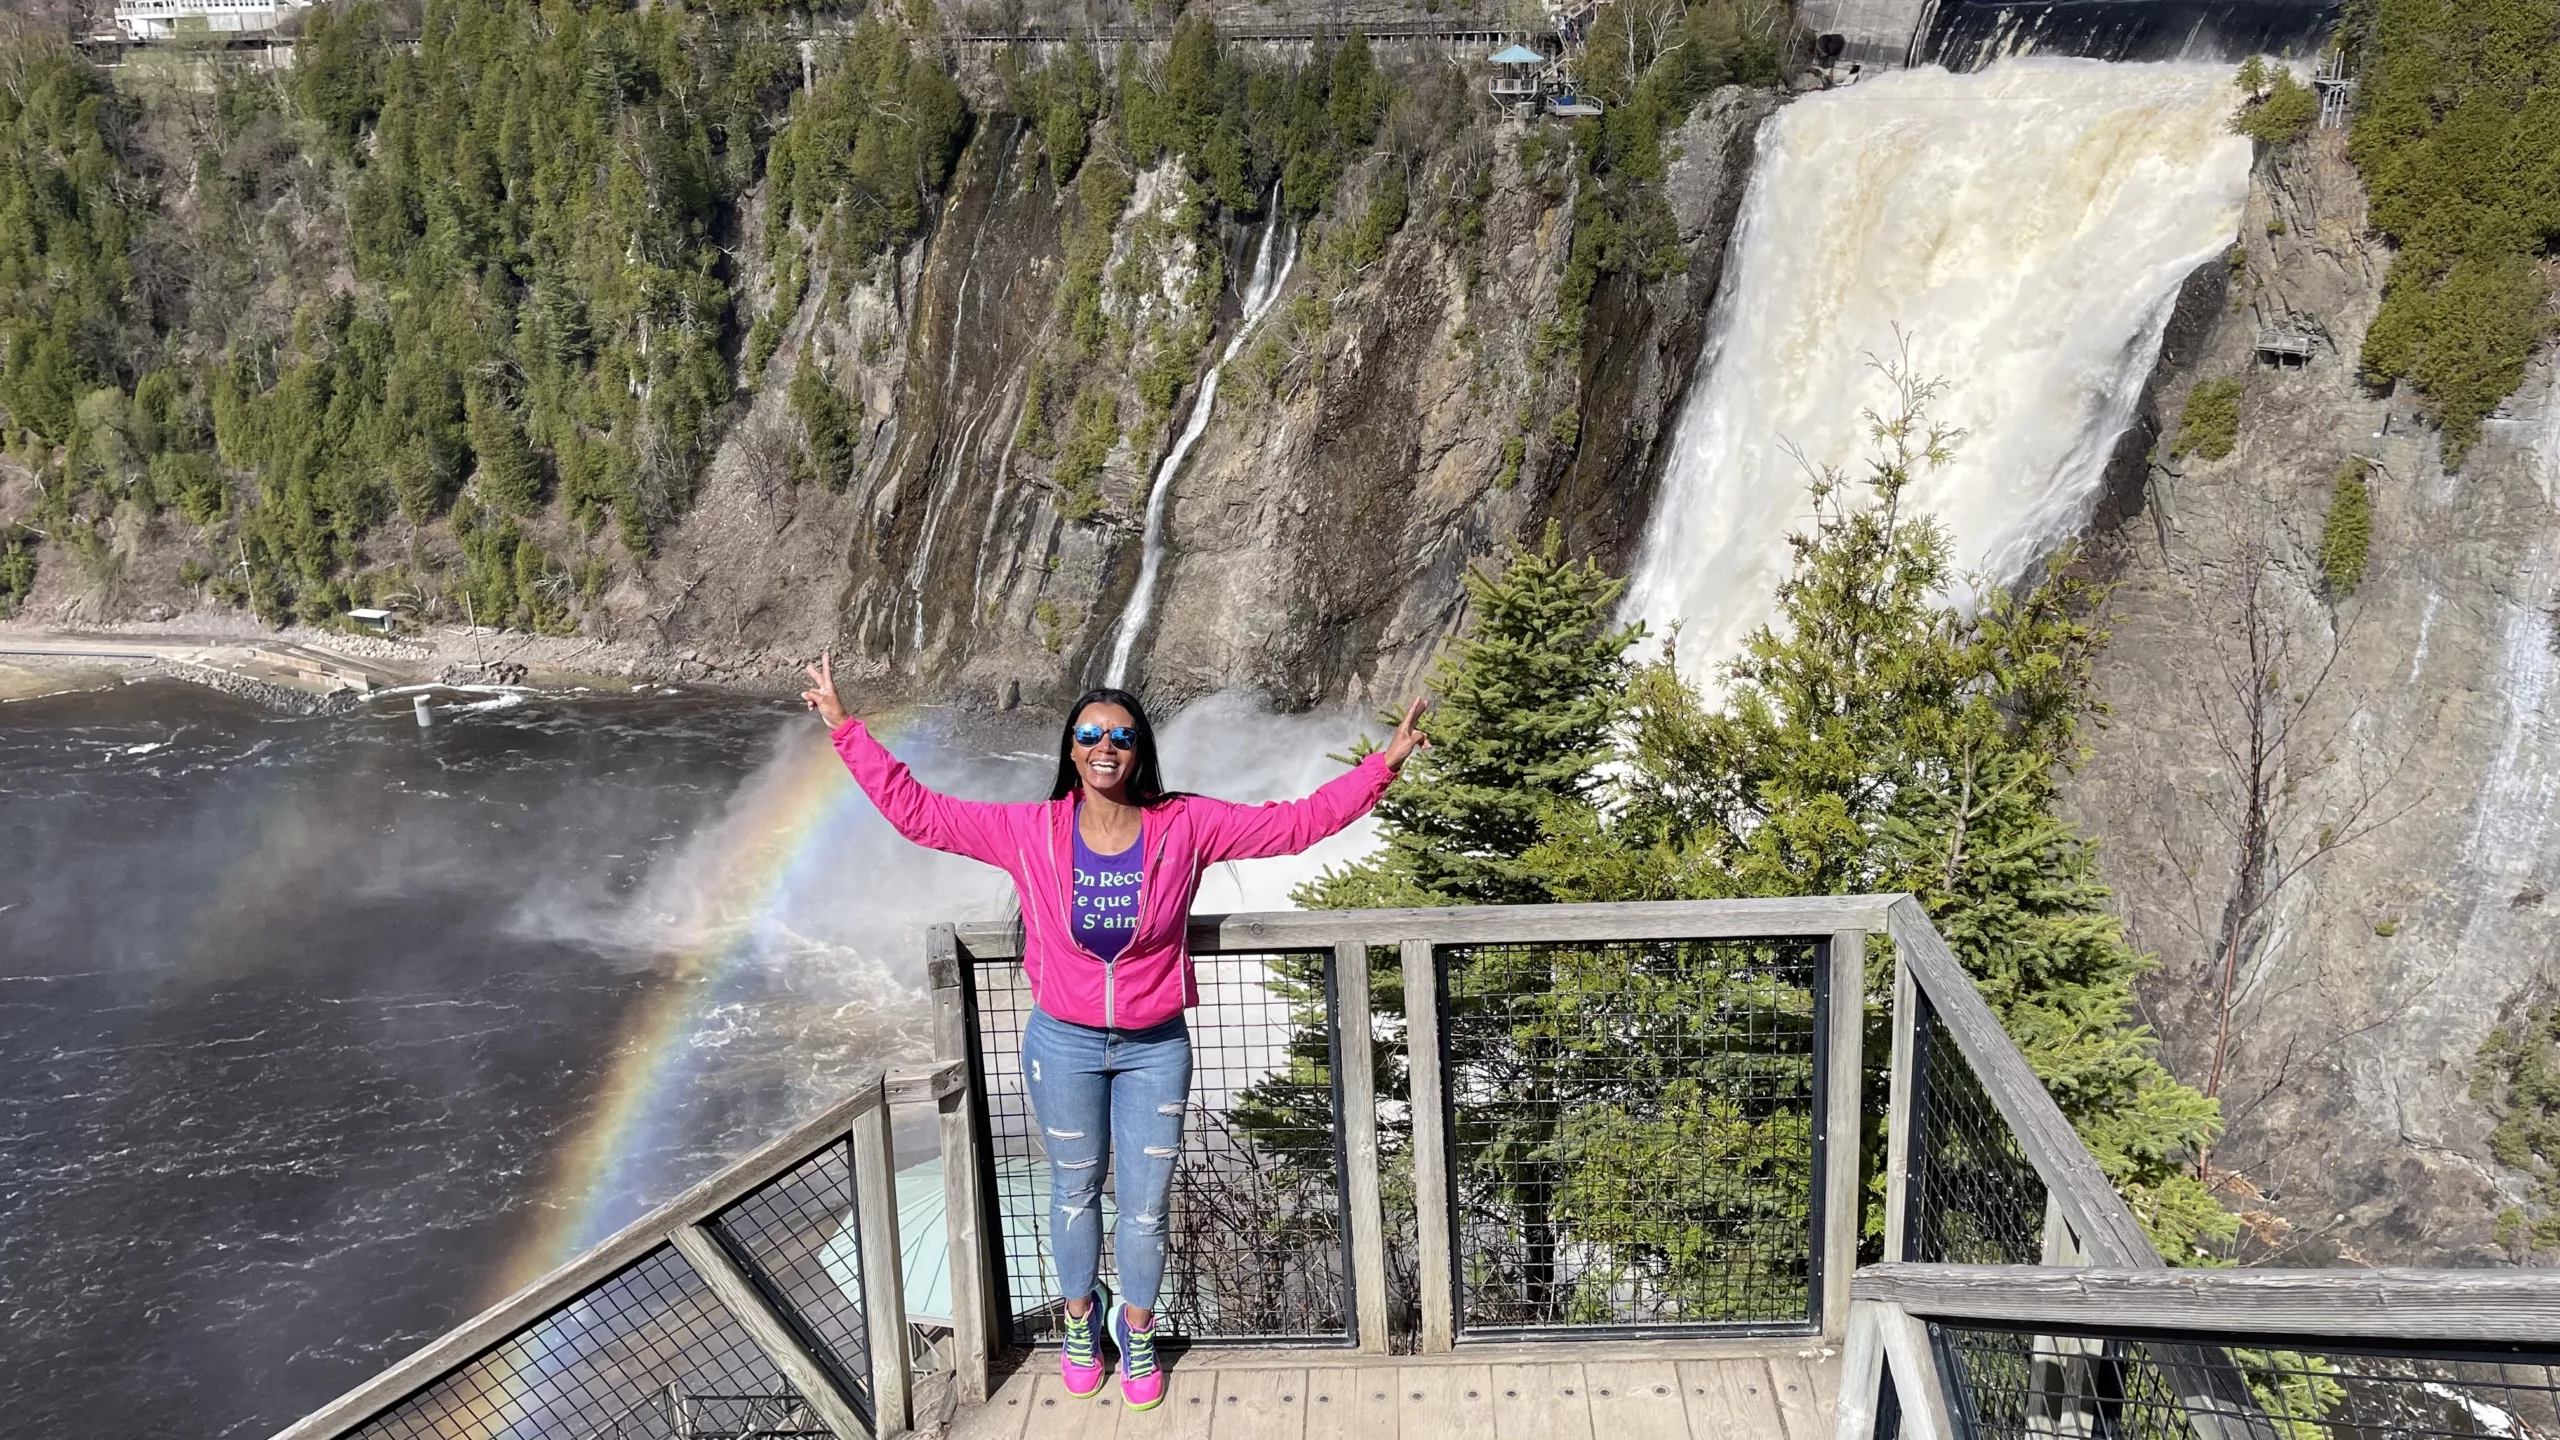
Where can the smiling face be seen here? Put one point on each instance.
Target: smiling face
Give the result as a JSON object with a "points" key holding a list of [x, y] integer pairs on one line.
{"points": [[1103, 766]]}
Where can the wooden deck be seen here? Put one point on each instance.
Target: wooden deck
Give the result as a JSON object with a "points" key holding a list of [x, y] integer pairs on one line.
{"points": [[1529, 1393]]}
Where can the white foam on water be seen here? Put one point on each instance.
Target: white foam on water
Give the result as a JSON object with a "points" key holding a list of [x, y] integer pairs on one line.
{"points": [[2027, 227]]}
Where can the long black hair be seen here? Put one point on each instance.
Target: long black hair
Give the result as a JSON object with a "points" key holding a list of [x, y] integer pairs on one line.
{"points": [[1146, 784]]}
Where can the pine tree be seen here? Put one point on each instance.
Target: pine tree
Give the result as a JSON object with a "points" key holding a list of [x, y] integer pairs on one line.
{"points": [[1520, 722]]}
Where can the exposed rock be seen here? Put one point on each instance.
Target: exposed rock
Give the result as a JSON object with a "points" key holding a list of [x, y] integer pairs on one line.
{"points": [[2414, 747], [1317, 530]]}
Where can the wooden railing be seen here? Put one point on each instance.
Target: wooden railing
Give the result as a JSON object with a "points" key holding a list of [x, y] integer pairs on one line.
{"points": [[716, 1287], [750, 1278], [1833, 930]]}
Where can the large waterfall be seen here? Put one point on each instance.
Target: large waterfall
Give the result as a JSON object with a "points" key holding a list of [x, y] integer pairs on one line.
{"points": [[2026, 228]]}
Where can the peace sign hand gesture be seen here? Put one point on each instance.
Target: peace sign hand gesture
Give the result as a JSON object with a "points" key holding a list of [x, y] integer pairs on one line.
{"points": [[1408, 737], [822, 696]]}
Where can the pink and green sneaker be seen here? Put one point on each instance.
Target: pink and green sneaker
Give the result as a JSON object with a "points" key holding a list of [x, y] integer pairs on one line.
{"points": [[1141, 1383], [1079, 1361]]}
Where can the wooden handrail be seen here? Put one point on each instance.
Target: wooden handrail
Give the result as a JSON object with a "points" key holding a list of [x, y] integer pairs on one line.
{"points": [[2099, 1219], [509, 1317], [2507, 1307], [1807, 917]]}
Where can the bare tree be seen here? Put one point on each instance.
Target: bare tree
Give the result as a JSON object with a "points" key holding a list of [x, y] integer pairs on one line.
{"points": [[2291, 786]]}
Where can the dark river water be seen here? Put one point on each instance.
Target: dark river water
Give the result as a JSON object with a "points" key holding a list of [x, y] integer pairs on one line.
{"points": [[300, 1017], [297, 1015]]}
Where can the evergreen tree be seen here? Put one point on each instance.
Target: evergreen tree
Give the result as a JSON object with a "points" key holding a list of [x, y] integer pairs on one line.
{"points": [[1874, 738], [1521, 722]]}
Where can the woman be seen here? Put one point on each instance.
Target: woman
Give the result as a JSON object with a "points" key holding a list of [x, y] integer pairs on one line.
{"points": [[1106, 868]]}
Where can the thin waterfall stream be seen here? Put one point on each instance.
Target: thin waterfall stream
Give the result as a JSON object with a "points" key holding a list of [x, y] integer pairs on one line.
{"points": [[1260, 291]]}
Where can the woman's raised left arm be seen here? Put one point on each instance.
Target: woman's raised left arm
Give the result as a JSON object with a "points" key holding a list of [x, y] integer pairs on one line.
{"points": [[1285, 827]]}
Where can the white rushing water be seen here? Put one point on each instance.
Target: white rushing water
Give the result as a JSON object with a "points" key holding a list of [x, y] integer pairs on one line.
{"points": [[1263, 288], [2026, 227]]}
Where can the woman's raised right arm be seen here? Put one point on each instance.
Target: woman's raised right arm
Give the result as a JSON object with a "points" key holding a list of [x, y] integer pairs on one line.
{"points": [[974, 828]]}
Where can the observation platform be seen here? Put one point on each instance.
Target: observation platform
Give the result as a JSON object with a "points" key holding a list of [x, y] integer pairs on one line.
{"points": [[1566, 1171], [1539, 1393]]}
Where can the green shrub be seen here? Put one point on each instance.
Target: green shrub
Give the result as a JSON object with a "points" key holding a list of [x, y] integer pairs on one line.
{"points": [[2209, 425], [17, 568], [1380, 219], [2516, 1075], [2456, 125], [1079, 471], [192, 483], [2347, 535], [2279, 110], [830, 424]]}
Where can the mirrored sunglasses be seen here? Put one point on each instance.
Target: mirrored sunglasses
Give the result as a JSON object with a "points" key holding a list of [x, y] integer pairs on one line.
{"points": [[1122, 737]]}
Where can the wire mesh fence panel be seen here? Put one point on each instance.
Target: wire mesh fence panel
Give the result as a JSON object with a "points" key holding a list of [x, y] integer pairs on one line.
{"points": [[642, 1356], [2009, 1383], [795, 1236], [1254, 1243], [1973, 1197], [1631, 1132]]}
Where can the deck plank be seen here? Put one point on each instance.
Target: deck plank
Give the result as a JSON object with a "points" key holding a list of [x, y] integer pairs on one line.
{"points": [[1808, 1395], [1004, 1414], [1536, 1402], [1260, 1405], [1445, 1402], [1636, 1399], [1709, 1389], [1351, 1403], [1190, 1397], [1749, 1403], [1057, 1415]]}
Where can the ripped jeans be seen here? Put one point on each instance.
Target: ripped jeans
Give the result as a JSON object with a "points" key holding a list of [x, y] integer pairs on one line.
{"points": [[1121, 1091]]}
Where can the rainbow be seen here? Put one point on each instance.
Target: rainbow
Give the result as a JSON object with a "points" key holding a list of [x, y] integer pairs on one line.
{"points": [[768, 842]]}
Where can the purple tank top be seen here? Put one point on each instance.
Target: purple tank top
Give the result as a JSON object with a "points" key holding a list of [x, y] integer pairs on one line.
{"points": [[1106, 901]]}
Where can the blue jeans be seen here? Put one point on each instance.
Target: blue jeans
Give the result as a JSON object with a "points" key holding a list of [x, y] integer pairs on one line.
{"points": [[1120, 1092]]}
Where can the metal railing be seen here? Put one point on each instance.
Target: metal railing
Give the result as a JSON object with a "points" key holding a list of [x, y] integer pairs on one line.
{"points": [[2032, 1351], [767, 1300], [1256, 1244], [1613, 1119]]}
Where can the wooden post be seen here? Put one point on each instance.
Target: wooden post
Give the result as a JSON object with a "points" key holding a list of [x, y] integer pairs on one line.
{"points": [[772, 1334], [1916, 1383], [1861, 1374], [946, 959], [884, 1288], [1845, 1025], [1430, 1148], [1356, 1053], [973, 1324], [1897, 1110], [969, 1339]]}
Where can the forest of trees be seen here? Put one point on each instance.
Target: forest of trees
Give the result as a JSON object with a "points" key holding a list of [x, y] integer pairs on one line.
{"points": [[2457, 133], [453, 307]]}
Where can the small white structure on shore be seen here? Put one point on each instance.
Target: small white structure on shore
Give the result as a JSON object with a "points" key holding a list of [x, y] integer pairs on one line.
{"points": [[172, 19], [375, 620]]}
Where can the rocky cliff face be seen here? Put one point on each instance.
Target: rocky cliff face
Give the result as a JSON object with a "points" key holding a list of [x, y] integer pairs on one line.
{"points": [[2333, 805], [1392, 419]]}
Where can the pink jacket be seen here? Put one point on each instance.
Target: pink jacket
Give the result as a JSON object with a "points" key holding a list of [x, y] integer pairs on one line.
{"points": [[1151, 981]]}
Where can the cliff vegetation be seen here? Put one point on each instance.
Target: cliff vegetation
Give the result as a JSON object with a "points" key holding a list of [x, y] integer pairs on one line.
{"points": [[1873, 738], [2457, 133]]}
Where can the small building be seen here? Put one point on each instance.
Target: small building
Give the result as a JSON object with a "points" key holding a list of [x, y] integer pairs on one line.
{"points": [[173, 19], [1519, 80], [378, 621], [2283, 349]]}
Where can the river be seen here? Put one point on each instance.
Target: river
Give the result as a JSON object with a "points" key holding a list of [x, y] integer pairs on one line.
{"points": [[317, 1035]]}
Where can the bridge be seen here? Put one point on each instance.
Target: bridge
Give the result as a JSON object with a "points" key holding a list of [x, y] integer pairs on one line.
{"points": [[1569, 1170]]}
